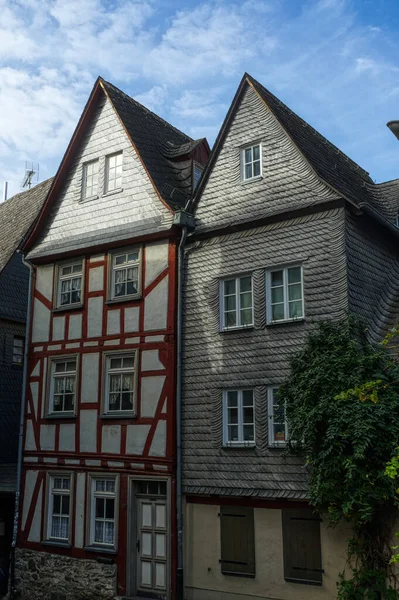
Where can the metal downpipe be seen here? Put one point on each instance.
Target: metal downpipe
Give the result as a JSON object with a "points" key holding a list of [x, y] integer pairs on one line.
{"points": [[179, 494]]}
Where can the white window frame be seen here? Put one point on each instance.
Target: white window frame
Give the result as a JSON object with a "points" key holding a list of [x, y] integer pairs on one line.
{"points": [[60, 278], [270, 419], [20, 348], [113, 268], [107, 358], [94, 194], [93, 478], [50, 505], [238, 325], [287, 318], [107, 170], [240, 442], [243, 163], [52, 376]]}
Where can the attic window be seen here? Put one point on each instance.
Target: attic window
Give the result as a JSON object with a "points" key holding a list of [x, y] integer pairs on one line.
{"points": [[113, 172], [251, 164], [90, 179], [197, 172]]}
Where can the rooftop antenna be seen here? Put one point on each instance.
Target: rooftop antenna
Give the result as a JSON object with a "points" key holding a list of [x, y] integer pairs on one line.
{"points": [[31, 174]]}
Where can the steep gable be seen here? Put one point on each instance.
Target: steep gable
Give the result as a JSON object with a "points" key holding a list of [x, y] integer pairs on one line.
{"points": [[288, 181], [154, 182]]}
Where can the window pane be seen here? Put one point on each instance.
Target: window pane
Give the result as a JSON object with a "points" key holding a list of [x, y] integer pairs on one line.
{"points": [[245, 284], [109, 508], [110, 485], [128, 362], [120, 260], [277, 295], [256, 154], [59, 367], [277, 312], [279, 432], [66, 270], [66, 285], [99, 532], [127, 401], [71, 365], [249, 434], [131, 288], [295, 291], [246, 300], [232, 434], [230, 319], [133, 256], [232, 398], [100, 485], [229, 303], [248, 414], [230, 287], [100, 507], [248, 155], [65, 505], [247, 397], [109, 533], [77, 268], [277, 278], [256, 167], [120, 275], [56, 504], [248, 171], [115, 363], [294, 274], [233, 416], [246, 316], [295, 309]]}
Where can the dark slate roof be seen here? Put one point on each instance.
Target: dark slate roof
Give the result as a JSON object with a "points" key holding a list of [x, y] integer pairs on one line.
{"points": [[330, 163], [152, 136], [17, 215], [174, 151]]}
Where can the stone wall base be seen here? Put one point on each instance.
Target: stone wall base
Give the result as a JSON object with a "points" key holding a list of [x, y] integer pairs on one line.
{"points": [[45, 576]]}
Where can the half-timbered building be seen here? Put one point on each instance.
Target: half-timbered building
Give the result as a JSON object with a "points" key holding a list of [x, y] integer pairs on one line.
{"points": [[98, 507], [289, 231]]}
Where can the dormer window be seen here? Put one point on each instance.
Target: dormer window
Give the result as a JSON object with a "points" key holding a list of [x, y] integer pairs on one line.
{"points": [[113, 172], [90, 179], [197, 172], [251, 166]]}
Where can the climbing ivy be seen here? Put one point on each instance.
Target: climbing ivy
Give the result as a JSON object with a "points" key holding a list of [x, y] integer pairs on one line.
{"points": [[342, 407]]}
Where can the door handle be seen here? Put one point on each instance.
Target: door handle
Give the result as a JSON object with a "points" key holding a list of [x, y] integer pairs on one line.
{"points": [[138, 545]]}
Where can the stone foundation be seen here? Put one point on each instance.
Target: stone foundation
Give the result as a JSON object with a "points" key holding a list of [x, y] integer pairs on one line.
{"points": [[45, 576]]}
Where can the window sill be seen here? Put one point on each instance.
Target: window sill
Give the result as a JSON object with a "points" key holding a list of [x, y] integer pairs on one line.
{"points": [[57, 544], [285, 322], [112, 192], [277, 446], [61, 309], [121, 415], [102, 549], [64, 415], [124, 299], [89, 198], [231, 574], [237, 328], [239, 445], [303, 581], [252, 180]]}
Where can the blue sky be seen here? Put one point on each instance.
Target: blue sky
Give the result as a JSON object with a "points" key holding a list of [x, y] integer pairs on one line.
{"points": [[334, 62]]}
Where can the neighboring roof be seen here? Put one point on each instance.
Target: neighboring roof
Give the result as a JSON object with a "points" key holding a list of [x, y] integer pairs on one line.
{"points": [[153, 137], [334, 167], [17, 215]]}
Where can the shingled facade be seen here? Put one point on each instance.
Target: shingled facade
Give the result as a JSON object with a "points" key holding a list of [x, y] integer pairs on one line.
{"points": [[289, 231], [17, 215], [98, 510]]}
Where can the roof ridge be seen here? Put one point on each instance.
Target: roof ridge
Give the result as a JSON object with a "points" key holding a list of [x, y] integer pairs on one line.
{"points": [[147, 110], [388, 181], [362, 172]]}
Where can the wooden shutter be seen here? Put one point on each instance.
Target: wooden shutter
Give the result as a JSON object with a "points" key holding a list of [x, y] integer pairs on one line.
{"points": [[237, 540], [302, 548]]}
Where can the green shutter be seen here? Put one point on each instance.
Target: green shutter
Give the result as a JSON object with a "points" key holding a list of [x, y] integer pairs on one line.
{"points": [[237, 540], [302, 546]]}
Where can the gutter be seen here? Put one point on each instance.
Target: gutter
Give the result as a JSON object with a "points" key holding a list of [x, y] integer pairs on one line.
{"points": [[12, 588], [185, 222]]}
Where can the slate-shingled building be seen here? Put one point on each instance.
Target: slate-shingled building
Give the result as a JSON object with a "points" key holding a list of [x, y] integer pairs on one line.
{"points": [[98, 516], [289, 231], [17, 215]]}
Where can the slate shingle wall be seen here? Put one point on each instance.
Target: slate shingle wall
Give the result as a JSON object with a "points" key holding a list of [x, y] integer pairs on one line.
{"points": [[10, 391], [373, 274], [255, 358], [14, 285]]}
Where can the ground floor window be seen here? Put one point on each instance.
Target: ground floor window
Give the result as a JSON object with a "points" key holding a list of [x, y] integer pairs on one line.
{"points": [[103, 510], [237, 540], [302, 546], [59, 508]]}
